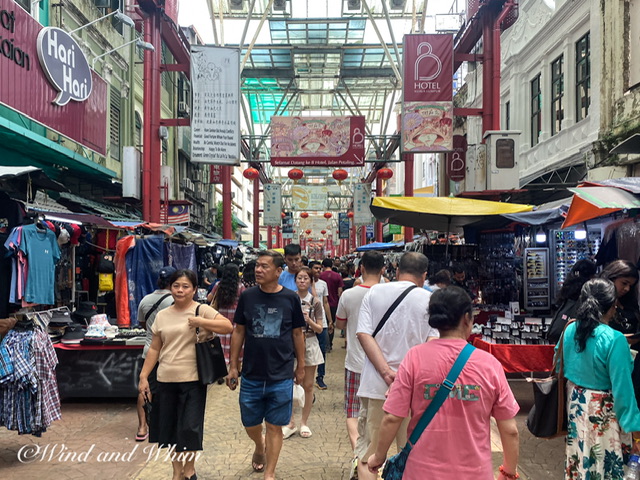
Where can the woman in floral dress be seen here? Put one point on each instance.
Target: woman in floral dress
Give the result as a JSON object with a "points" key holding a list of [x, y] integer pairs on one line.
{"points": [[601, 403]]}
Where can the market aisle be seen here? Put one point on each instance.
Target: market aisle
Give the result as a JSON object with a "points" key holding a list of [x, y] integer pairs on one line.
{"points": [[103, 430]]}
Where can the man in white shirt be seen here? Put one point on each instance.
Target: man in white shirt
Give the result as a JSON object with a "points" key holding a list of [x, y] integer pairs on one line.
{"points": [[372, 264], [406, 327]]}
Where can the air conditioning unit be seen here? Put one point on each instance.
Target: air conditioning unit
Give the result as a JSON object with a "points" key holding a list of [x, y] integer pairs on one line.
{"points": [[396, 4], [503, 172], [235, 4], [279, 5], [183, 109], [354, 4]]}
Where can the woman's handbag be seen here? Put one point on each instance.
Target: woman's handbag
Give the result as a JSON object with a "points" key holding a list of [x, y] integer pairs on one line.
{"points": [[394, 467], [148, 408], [548, 416], [209, 359]]}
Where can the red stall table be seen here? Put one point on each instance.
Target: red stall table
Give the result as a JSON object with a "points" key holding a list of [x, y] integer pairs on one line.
{"points": [[520, 358], [98, 370]]}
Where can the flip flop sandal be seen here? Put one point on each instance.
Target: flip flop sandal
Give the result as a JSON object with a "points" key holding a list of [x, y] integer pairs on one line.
{"points": [[142, 438], [288, 431], [258, 459], [305, 432]]}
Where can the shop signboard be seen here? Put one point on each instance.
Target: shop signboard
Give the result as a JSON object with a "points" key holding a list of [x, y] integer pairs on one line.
{"points": [[317, 141], [427, 107], [395, 229], [215, 112], [456, 166], [215, 174], [41, 70], [361, 201], [287, 225], [312, 197], [343, 226], [369, 231], [272, 204]]}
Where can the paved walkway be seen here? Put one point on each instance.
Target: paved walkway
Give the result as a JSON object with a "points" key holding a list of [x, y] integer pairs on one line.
{"points": [[102, 431]]}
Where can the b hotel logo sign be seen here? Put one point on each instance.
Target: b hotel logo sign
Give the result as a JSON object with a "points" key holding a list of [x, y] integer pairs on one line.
{"points": [[65, 65]]}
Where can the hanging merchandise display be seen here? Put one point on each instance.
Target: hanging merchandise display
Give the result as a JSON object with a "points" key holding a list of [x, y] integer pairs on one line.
{"points": [[568, 249], [536, 279]]}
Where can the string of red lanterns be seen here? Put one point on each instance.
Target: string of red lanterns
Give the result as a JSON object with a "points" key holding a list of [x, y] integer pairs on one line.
{"points": [[384, 173], [251, 173]]}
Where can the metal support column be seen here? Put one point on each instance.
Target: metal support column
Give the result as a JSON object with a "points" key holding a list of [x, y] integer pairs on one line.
{"points": [[408, 190], [487, 73], [256, 213], [378, 223], [269, 237], [227, 231]]}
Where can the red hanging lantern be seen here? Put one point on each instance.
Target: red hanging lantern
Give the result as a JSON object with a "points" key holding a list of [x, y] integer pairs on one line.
{"points": [[328, 215], [324, 232], [304, 215], [384, 173], [340, 174], [350, 214], [308, 232], [251, 173], [283, 214], [295, 174]]}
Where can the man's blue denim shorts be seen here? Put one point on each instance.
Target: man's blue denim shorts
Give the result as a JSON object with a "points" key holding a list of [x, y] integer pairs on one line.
{"points": [[270, 401]]}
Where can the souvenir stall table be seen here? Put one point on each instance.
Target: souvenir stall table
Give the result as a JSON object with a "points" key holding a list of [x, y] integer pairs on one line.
{"points": [[98, 370]]}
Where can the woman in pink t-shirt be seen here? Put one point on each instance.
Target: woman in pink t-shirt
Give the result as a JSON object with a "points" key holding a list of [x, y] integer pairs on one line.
{"points": [[457, 442]]}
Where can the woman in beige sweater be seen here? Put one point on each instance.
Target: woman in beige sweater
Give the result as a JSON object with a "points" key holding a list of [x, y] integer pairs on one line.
{"points": [[178, 407]]}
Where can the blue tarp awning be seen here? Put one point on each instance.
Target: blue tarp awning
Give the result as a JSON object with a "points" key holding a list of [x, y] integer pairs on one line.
{"points": [[380, 246]]}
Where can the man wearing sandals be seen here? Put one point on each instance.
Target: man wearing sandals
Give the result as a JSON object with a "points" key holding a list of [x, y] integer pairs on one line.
{"points": [[269, 323]]}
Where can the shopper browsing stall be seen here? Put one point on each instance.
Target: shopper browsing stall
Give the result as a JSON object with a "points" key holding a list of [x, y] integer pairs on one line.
{"points": [[179, 404]]}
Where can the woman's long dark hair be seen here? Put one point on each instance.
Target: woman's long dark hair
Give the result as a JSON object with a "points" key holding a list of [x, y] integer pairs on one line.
{"points": [[582, 271], [596, 298], [227, 292], [619, 269]]}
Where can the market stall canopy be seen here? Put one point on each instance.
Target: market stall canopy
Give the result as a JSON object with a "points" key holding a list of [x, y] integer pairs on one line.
{"points": [[16, 181], [380, 246], [593, 202], [541, 215], [439, 213], [630, 145]]}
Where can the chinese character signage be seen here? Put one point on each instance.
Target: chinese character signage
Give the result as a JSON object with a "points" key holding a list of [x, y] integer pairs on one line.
{"points": [[361, 201], [427, 107], [272, 204], [215, 114], [369, 231], [312, 197], [343, 226], [317, 141], [456, 160], [215, 174]]}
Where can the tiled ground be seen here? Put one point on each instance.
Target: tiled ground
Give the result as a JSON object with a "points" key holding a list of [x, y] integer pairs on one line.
{"points": [[104, 431]]}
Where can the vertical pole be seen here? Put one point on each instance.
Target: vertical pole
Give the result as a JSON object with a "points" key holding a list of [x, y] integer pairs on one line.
{"points": [[408, 190], [278, 237], [378, 223], [147, 134], [225, 173], [269, 237], [256, 213], [354, 231], [487, 73], [156, 143], [363, 235]]}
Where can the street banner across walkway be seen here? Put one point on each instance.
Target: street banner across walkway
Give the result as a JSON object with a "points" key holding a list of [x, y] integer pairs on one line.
{"points": [[312, 197], [215, 112], [361, 200], [317, 141], [272, 204], [427, 106]]}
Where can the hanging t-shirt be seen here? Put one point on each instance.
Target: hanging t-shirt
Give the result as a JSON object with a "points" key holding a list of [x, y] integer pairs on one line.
{"points": [[42, 251], [269, 320]]}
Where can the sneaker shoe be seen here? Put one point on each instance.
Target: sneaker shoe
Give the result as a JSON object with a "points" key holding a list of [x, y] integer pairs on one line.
{"points": [[320, 384]]}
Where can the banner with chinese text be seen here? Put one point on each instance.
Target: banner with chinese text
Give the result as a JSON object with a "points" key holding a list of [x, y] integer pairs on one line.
{"points": [[215, 112], [361, 201], [272, 204]]}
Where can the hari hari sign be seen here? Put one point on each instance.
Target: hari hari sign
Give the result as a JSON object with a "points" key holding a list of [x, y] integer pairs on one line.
{"points": [[65, 65]]}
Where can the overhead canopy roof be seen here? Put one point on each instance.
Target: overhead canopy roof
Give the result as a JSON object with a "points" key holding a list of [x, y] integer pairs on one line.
{"points": [[593, 202]]}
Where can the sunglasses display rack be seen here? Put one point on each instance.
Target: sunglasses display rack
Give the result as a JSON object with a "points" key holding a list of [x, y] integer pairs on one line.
{"points": [[567, 251], [518, 330], [497, 273], [537, 280]]}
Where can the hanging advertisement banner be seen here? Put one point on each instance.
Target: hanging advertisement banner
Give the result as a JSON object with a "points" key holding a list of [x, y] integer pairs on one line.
{"points": [[361, 200], [456, 160], [287, 225], [427, 107], [343, 226], [317, 141], [215, 112], [272, 204], [312, 197], [369, 231]]}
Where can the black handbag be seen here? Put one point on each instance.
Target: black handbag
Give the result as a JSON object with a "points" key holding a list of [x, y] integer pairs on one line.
{"points": [[148, 408], [548, 416], [209, 359]]}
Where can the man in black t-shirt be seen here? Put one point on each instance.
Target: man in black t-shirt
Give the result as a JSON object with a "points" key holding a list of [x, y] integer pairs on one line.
{"points": [[269, 323]]}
